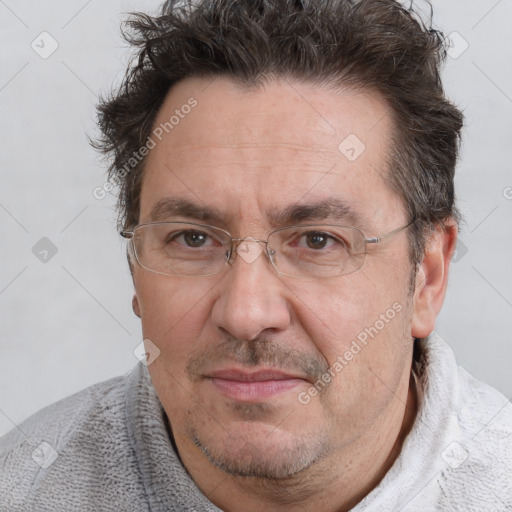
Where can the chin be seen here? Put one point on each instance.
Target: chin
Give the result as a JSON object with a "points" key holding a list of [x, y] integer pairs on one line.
{"points": [[261, 451]]}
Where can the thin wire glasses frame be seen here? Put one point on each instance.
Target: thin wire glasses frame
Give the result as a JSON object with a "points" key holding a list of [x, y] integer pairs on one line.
{"points": [[314, 264], [347, 256]]}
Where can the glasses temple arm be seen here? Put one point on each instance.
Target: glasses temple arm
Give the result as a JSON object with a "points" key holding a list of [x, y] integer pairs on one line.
{"points": [[377, 239]]}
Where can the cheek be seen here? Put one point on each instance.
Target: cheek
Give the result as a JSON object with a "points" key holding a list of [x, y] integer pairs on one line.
{"points": [[174, 312], [368, 353], [334, 313], [360, 328]]}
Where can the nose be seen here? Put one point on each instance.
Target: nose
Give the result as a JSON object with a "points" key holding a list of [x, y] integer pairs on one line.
{"points": [[252, 298]]}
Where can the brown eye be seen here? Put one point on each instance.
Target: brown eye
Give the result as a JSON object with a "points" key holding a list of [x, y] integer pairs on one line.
{"points": [[192, 239], [195, 238], [316, 240]]}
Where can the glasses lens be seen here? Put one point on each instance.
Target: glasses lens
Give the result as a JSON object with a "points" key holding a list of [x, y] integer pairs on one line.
{"points": [[317, 251], [181, 249]]}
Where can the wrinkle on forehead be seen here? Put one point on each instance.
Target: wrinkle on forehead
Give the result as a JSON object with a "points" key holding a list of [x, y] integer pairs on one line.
{"points": [[251, 152], [185, 148]]}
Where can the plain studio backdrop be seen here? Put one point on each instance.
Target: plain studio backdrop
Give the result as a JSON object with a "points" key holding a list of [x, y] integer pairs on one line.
{"points": [[65, 291]]}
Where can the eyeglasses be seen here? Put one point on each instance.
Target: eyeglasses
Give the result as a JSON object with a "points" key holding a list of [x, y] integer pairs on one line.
{"points": [[190, 249]]}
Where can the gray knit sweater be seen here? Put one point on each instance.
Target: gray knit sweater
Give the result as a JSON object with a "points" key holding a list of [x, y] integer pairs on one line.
{"points": [[107, 448]]}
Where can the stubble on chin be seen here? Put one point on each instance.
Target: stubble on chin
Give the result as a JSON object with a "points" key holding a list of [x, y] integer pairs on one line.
{"points": [[240, 456]]}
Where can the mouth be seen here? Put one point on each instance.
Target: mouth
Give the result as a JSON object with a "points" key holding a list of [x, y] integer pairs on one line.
{"points": [[254, 386]]}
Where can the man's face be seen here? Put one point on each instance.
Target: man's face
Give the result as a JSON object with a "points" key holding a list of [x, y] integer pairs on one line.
{"points": [[240, 351]]}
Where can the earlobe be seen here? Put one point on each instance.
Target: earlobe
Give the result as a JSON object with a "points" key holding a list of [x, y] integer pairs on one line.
{"points": [[135, 305], [432, 278]]}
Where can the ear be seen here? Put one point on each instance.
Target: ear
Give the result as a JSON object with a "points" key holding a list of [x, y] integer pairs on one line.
{"points": [[136, 305], [432, 278]]}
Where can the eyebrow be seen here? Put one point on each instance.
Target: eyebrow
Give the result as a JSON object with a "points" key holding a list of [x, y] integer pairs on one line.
{"points": [[170, 207], [329, 209]]}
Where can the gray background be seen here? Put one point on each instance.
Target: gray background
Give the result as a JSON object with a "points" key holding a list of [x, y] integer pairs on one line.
{"points": [[67, 323]]}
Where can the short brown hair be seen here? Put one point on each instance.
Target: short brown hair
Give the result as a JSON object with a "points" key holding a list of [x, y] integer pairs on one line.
{"points": [[377, 45]]}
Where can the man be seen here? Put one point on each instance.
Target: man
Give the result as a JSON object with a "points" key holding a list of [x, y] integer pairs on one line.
{"points": [[286, 189]]}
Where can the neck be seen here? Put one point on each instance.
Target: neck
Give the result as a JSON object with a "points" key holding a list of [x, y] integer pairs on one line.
{"points": [[335, 484]]}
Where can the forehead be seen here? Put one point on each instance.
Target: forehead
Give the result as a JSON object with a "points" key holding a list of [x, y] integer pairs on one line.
{"points": [[248, 152]]}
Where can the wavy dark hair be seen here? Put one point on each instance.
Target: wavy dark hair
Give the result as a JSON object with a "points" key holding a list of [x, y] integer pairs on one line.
{"points": [[376, 45]]}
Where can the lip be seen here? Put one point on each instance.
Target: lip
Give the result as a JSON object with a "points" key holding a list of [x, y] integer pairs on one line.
{"points": [[253, 386]]}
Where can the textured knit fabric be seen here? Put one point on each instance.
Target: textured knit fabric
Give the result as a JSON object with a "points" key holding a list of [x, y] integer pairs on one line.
{"points": [[107, 449]]}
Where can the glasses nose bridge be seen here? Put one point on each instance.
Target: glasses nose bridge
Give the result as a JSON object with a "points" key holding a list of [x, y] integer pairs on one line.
{"points": [[247, 254], [248, 239]]}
